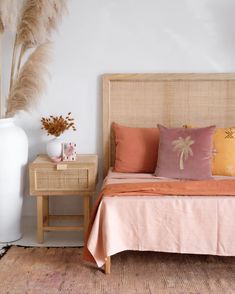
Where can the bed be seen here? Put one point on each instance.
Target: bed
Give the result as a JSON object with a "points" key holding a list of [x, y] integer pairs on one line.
{"points": [[182, 224]]}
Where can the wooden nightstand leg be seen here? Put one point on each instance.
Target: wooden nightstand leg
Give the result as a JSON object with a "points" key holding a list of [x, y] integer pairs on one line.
{"points": [[86, 209], [40, 236], [91, 204], [107, 265], [46, 210]]}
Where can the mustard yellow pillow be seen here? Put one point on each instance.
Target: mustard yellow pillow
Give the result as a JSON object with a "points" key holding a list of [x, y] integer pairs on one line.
{"points": [[223, 162]]}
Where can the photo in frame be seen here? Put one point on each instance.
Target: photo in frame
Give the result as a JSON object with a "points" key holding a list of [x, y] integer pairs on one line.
{"points": [[69, 151]]}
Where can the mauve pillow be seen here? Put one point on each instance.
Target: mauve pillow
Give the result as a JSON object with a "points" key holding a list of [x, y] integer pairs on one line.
{"points": [[185, 153], [136, 149]]}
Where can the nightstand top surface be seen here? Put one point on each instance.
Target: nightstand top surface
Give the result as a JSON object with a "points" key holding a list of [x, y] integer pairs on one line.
{"points": [[81, 158]]}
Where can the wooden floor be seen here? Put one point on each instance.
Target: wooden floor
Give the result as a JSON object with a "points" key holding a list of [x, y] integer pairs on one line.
{"points": [[62, 270]]}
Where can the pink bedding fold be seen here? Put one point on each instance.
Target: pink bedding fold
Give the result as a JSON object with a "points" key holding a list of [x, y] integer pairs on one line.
{"points": [[100, 223]]}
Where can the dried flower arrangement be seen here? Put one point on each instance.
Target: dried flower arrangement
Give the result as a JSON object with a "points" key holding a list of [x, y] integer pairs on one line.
{"points": [[32, 24], [56, 125]]}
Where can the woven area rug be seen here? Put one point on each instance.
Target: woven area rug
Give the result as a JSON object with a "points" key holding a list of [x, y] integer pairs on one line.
{"points": [[3, 249], [62, 270]]}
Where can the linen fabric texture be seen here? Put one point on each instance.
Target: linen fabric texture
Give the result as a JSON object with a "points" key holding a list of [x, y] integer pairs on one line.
{"points": [[185, 153], [136, 149]]}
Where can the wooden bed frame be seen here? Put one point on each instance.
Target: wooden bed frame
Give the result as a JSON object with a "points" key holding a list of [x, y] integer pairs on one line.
{"points": [[144, 100]]}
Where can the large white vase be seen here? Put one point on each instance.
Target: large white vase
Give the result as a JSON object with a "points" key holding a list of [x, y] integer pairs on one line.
{"points": [[13, 162]]}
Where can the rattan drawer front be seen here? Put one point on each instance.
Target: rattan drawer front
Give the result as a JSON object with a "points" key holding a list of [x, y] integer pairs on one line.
{"points": [[67, 180]]}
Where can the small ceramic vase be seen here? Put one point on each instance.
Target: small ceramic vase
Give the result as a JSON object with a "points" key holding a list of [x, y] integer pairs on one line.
{"points": [[54, 148]]}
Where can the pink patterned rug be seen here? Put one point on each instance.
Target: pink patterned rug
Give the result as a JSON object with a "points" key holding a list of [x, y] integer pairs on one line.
{"points": [[62, 270]]}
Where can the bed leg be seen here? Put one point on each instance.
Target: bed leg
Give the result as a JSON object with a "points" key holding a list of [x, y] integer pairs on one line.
{"points": [[107, 265]]}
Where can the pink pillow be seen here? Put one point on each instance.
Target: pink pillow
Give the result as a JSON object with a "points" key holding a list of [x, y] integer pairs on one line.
{"points": [[136, 149], [185, 153]]}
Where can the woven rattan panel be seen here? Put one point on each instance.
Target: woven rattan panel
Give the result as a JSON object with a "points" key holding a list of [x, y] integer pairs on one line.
{"points": [[71, 180], [169, 99]]}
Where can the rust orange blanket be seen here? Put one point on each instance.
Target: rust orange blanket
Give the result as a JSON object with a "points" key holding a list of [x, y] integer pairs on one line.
{"points": [[175, 188]]}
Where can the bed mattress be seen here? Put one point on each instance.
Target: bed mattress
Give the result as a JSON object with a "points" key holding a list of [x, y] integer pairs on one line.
{"points": [[179, 224]]}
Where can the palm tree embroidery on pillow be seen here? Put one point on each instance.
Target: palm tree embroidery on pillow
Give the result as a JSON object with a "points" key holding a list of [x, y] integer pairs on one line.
{"points": [[183, 148]]}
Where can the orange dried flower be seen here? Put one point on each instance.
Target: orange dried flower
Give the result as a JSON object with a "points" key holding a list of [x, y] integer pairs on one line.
{"points": [[56, 125]]}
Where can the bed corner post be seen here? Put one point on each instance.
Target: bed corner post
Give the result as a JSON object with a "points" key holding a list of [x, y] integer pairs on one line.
{"points": [[107, 265]]}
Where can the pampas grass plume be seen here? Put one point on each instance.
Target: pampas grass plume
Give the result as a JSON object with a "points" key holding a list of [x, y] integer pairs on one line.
{"points": [[31, 30], [9, 10], [39, 19], [31, 82]]}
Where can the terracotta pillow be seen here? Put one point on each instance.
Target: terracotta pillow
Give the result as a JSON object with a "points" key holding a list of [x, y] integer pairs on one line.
{"points": [[185, 153], [136, 149]]}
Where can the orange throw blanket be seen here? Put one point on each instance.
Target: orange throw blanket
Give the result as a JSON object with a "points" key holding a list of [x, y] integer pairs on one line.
{"points": [[174, 188]]}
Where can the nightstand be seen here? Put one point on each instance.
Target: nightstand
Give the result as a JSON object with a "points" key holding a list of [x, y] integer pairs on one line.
{"points": [[65, 178]]}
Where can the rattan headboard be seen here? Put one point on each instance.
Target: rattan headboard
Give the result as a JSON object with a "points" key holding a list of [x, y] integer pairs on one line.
{"points": [[143, 100]]}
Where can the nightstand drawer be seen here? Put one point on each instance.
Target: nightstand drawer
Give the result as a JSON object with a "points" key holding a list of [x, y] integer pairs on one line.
{"points": [[67, 180]]}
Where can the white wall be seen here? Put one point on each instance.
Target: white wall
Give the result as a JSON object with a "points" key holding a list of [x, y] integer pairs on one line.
{"points": [[113, 36]]}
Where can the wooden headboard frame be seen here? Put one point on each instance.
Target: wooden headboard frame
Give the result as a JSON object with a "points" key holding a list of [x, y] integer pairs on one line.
{"points": [[143, 100]]}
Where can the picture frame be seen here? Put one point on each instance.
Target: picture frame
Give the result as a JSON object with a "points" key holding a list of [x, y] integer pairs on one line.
{"points": [[69, 152]]}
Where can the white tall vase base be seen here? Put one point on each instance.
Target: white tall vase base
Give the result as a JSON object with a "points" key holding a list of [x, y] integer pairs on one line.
{"points": [[10, 216], [13, 162]]}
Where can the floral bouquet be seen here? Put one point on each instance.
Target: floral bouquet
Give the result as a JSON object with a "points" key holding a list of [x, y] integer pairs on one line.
{"points": [[56, 125]]}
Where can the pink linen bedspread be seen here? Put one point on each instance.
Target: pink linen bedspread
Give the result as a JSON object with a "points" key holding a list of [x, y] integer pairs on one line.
{"points": [[180, 224]]}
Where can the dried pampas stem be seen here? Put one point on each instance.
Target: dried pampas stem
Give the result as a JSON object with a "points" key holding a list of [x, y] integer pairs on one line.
{"points": [[1, 27], [30, 83], [22, 51], [13, 61]]}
